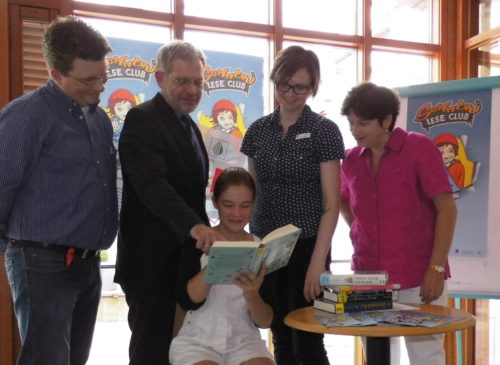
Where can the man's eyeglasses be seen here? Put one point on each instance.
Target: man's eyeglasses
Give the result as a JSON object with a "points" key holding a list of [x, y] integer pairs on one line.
{"points": [[91, 81], [185, 82], [297, 89]]}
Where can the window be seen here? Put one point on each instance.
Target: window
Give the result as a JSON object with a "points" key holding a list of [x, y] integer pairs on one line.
{"points": [[489, 14], [129, 30], [236, 10], [489, 59], [157, 5], [407, 20], [328, 19], [400, 69]]}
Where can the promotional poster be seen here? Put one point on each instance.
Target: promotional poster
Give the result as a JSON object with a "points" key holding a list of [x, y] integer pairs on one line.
{"points": [[232, 98], [461, 118]]}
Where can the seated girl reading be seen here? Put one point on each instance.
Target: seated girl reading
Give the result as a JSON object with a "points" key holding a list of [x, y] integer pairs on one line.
{"points": [[222, 323]]}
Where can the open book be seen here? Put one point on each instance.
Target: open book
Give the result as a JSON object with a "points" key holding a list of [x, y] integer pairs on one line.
{"points": [[226, 258]]}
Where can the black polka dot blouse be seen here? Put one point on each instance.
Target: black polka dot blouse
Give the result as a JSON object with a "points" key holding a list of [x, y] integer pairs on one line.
{"points": [[288, 170]]}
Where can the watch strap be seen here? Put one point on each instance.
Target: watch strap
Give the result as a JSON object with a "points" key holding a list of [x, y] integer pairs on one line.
{"points": [[438, 268]]}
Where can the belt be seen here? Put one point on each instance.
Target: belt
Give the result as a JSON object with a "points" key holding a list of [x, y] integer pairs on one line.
{"points": [[80, 252]]}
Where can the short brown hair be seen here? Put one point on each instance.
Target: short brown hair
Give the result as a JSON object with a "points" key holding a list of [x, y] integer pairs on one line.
{"points": [[290, 60], [370, 101], [68, 38]]}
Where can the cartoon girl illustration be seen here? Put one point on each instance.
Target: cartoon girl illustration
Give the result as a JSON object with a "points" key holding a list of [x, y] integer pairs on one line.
{"points": [[224, 117], [448, 146], [119, 103]]}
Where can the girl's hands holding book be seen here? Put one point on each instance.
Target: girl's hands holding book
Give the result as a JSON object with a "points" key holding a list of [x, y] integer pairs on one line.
{"points": [[260, 311], [249, 282]]}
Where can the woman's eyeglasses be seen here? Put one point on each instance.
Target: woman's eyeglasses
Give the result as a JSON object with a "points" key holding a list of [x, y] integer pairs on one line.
{"points": [[297, 89]]}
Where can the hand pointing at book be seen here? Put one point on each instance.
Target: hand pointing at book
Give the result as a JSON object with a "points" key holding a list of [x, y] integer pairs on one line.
{"points": [[205, 236]]}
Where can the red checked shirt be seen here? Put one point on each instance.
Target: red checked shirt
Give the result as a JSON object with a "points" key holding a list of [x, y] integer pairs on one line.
{"points": [[393, 228]]}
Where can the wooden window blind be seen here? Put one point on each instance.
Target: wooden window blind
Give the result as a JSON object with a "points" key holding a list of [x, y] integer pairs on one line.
{"points": [[34, 68]]}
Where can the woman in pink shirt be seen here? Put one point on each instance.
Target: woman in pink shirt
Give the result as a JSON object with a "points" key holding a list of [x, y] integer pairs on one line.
{"points": [[397, 201]]}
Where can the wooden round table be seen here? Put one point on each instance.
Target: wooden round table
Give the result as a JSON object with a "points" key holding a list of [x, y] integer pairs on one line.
{"points": [[377, 337]]}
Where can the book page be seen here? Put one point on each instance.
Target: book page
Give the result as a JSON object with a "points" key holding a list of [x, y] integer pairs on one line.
{"points": [[236, 244], [277, 252], [285, 230]]}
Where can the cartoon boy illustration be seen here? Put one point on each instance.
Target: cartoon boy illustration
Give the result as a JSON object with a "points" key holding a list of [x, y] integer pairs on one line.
{"points": [[119, 103], [448, 146], [224, 117]]}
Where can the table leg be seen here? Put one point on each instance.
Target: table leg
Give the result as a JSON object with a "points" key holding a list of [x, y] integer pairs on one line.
{"points": [[378, 351]]}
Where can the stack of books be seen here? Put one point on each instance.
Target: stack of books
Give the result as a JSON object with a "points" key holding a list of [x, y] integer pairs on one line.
{"points": [[356, 292]]}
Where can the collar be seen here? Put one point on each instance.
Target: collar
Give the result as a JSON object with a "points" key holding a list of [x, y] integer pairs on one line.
{"points": [[395, 143], [397, 140], [275, 117], [65, 99]]}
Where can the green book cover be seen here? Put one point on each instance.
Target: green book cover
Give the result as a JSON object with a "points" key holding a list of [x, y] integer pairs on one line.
{"points": [[226, 258]]}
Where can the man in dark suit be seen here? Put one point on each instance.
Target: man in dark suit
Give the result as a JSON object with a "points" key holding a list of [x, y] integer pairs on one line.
{"points": [[165, 173]]}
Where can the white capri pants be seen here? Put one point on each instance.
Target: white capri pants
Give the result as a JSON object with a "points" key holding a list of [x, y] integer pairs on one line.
{"points": [[421, 350]]}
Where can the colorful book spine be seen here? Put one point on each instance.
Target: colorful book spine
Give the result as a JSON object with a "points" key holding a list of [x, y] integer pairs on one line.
{"points": [[369, 295], [356, 278], [332, 307], [361, 288]]}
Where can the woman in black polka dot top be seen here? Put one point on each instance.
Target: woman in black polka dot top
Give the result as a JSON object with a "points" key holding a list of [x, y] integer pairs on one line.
{"points": [[294, 155]]}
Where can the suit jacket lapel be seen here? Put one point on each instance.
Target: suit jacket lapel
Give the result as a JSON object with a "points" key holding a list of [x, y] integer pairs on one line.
{"points": [[175, 127]]}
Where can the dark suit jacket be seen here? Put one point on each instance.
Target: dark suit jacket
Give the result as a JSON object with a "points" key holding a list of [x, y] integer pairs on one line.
{"points": [[163, 195]]}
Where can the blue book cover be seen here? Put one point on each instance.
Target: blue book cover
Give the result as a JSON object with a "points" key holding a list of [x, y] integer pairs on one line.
{"points": [[226, 258]]}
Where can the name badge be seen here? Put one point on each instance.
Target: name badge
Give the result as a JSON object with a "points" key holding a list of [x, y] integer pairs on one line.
{"points": [[303, 135]]}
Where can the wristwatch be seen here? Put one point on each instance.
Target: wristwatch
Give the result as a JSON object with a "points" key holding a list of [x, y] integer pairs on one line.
{"points": [[439, 269]]}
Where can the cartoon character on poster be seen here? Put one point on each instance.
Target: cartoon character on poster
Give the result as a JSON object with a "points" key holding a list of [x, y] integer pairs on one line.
{"points": [[460, 169], [232, 98], [225, 117], [223, 133], [119, 103], [451, 116]]}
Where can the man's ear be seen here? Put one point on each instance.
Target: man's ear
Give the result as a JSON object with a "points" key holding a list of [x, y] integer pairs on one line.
{"points": [[56, 75], [159, 76]]}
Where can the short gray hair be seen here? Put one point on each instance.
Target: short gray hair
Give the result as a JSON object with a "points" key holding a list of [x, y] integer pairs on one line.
{"points": [[178, 50]]}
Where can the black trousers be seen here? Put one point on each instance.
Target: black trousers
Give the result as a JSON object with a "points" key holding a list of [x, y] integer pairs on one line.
{"points": [[291, 346], [151, 318]]}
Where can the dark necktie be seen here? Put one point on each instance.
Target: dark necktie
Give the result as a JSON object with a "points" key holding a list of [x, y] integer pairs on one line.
{"points": [[188, 125]]}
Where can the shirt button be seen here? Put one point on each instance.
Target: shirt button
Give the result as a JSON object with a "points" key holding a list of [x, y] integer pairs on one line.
{"points": [[98, 162], [80, 117]]}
